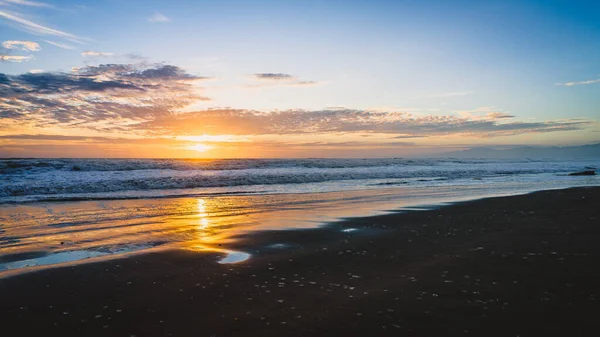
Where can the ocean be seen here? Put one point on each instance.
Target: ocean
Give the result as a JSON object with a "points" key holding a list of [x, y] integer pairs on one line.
{"points": [[30, 180], [57, 211]]}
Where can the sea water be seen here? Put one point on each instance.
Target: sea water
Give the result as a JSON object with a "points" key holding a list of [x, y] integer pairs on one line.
{"points": [[56, 211]]}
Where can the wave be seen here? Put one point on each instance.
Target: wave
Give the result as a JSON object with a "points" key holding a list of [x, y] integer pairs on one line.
{"points": [[32, 166], [116, 196], [165, 181], [56, 179]]}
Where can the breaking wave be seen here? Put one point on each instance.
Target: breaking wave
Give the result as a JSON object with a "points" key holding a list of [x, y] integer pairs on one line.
{"points": [[80, 179]]}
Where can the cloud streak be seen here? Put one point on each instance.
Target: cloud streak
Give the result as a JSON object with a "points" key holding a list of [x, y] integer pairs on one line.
{"points": [[16, 58], [274, 76], [28, 3], [571, 84], [499, 115], [274, 79], [21, 45], [453, 94], [60, 45], [38, 29], [90, 53]]}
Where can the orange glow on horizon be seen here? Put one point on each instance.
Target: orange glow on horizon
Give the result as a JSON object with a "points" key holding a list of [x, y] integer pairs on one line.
{"points": [[200, 147]]}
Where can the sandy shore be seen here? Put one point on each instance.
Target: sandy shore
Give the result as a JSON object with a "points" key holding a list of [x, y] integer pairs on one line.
{"points": [[512, 266]]}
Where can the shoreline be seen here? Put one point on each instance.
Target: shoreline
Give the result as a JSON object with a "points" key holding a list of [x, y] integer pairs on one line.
{"points": [[519, 265], [422, 204], [151, 195]]}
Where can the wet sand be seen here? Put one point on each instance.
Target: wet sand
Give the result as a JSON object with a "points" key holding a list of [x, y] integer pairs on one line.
{"points": [[512, 266]]}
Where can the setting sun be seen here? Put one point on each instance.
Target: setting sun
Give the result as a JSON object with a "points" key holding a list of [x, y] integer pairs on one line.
{"points": [[200, 147]]}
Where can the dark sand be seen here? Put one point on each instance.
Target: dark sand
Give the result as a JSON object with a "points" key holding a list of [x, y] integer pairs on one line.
{"points": [[515, 266]]}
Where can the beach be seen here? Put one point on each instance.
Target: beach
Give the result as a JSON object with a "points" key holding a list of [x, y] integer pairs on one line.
{"points": [[299, 168], [509, 266]]}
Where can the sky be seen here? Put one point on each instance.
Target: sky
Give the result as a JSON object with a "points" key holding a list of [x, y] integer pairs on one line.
{"points": [[223, 79]]}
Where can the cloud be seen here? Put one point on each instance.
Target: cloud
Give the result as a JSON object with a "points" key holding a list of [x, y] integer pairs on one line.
{"points": [[274, 76], [351, 144], [27, 3], [117, 93], [154, 100], [90, 53], [399, 109], [21, 45], [169, 148], [445, 95], [272, 79], [35, 28], [157, 17], [128, 71], [570, 84], [48, 137], [249, 122], [304, 83], [60, 45], [453, 94], [485, 113], [135, 57], [499, 115], [16, 58]]}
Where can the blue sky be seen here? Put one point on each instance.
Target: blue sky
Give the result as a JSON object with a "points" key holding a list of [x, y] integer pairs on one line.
{"points": [[537, 61]]}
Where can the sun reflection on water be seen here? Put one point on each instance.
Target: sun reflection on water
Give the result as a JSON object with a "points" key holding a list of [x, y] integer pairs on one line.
{"points": [[53, 231], [202, 214], [210, 235]]}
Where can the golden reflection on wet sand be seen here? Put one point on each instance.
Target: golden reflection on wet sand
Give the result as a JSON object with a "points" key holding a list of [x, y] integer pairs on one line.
{"points": [[202, 224], [114, 227]]}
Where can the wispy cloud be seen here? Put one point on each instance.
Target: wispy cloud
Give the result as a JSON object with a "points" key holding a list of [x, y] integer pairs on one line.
{"points": [[91, 53], [21, 45], [352, 144], [304, 83], [399, 109], [274, 79], [485, 113], [35, 28], [27, 3], [447, 94], [570, 84], [157, 17], [16, 58], [60, 45], [274, 76], [499, 115], [249, 122], [135, 57]]}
